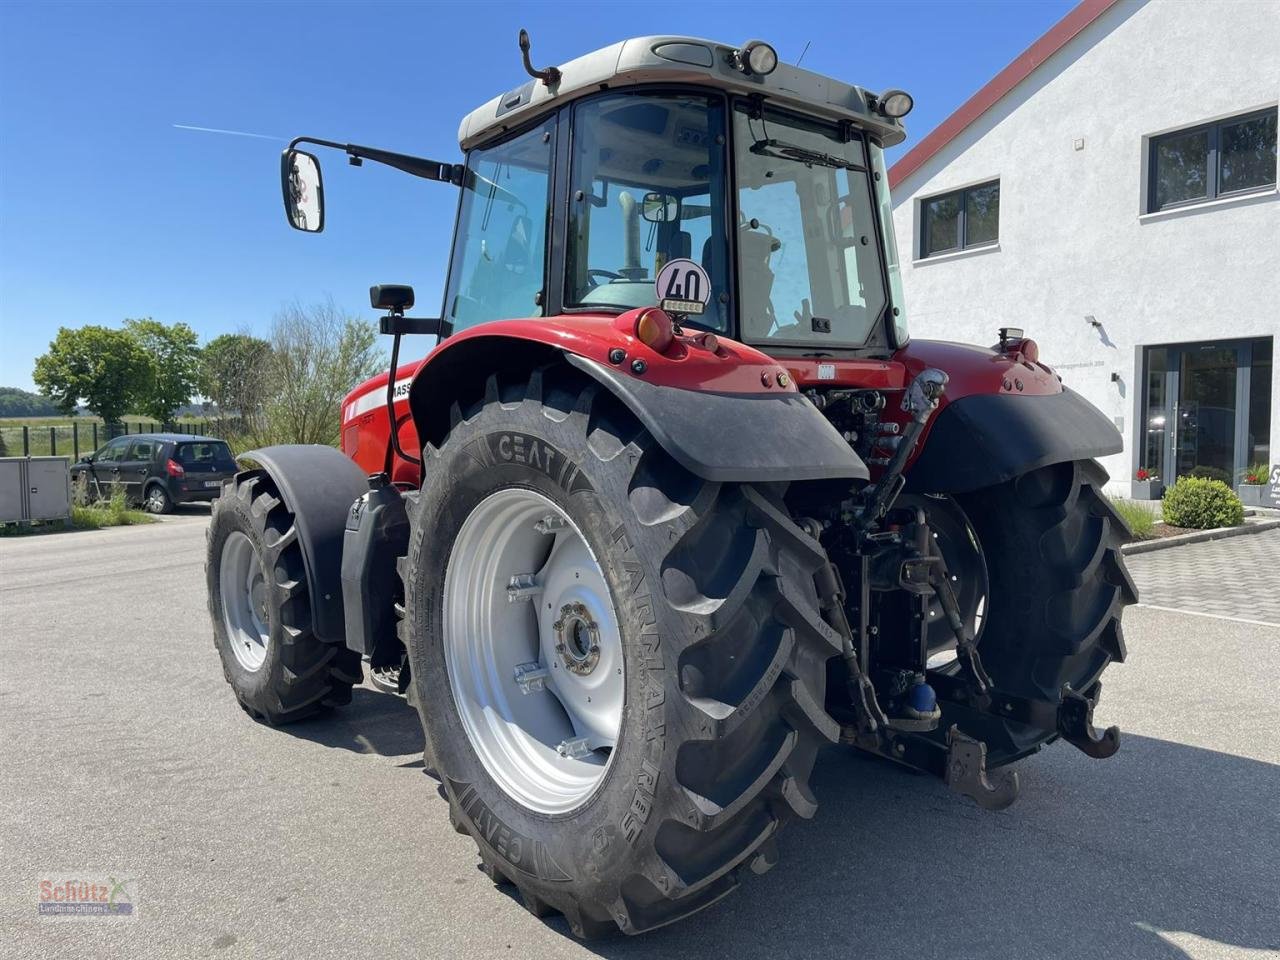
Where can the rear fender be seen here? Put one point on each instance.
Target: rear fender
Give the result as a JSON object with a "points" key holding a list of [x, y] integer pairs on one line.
{"points": [[1002, 416], [715, 406], [318, 486]]}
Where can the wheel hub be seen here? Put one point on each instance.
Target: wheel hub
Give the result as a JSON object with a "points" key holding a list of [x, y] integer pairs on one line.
{"points": [[577, 639]]}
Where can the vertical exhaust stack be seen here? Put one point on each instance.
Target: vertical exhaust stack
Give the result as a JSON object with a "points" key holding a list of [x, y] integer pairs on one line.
{"points": [[631, 267]]}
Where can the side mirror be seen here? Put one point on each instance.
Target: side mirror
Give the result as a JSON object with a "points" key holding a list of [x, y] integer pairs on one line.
{"points": [[391, 296], [87, 458], [303, 190], [660, 208]]}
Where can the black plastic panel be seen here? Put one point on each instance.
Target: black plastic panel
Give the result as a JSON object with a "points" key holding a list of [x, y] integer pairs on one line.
{"points": [[318, 485], [984, 440], [746, 438]]}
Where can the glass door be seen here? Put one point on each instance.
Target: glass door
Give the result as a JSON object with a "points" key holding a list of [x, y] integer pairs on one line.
{"points": [[1206, 409], [1205, 428]]}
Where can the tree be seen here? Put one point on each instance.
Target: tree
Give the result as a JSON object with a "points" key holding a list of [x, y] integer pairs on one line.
{"points": [[175, 359], [233, 374], [318, 354], [104, 368]]}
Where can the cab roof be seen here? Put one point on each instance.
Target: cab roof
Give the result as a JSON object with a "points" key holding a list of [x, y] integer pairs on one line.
{"points": [[680, 60]]}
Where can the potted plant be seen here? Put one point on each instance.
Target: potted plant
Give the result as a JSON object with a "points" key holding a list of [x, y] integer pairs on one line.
{"points": [[1252, 488], [1146, 485]]}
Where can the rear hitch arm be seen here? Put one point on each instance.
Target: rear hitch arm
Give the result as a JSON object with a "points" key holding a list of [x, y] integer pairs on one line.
{"points": [[1075, 723], [1070, 717], [967, 773]]}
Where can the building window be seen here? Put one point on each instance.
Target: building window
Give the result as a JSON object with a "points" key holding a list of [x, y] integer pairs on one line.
{"points": [[960, 219], [1219, 159]]}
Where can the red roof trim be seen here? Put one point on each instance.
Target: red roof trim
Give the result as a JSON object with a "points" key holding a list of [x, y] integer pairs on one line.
{"points": [[1057, 37]]}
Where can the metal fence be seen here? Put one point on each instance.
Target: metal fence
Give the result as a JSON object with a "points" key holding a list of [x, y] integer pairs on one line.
{"points": [[75, 439]]}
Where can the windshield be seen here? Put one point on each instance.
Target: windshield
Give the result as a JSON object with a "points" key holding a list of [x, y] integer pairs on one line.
{"points": [[648, 187], [809, 270]]}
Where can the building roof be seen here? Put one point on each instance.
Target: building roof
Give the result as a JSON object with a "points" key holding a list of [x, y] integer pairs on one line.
{"points": [[1031, 59]]}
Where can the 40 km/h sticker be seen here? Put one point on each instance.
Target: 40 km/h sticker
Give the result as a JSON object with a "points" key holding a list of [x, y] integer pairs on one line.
{"points": [[683, 287]]}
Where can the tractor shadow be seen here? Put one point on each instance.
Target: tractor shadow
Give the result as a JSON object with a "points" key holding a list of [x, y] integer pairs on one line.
{"points": [[374, 722], [1169, 846]]}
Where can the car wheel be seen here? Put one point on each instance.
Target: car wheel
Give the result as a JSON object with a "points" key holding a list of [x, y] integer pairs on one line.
{"points": [[158, 500]]}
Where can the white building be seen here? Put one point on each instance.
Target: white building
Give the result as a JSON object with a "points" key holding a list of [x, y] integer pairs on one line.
{"points": [[1113, 192]]}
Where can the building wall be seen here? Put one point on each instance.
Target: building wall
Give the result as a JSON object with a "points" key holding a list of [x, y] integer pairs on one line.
{"points": [[1073, 240]]}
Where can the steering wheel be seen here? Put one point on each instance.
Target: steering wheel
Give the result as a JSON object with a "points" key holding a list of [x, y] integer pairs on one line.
{"points": [[608, 274]]}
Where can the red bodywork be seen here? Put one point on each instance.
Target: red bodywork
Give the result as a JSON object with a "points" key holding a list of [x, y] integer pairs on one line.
{"points": [[694, 362]]}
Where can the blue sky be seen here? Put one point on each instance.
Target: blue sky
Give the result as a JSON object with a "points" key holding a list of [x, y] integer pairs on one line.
{"points": [[108, 211]]}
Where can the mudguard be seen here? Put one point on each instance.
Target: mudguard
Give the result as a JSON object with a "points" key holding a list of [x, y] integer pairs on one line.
{"points": [[735, 437], [985, 439], [318, 485]]}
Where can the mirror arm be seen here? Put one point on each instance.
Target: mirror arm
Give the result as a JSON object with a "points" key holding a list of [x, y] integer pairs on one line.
{"points": [[395, 325], [415, 166]]}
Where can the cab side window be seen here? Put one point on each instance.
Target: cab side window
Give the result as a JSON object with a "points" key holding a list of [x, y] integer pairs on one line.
{"points": [[499, 255]]}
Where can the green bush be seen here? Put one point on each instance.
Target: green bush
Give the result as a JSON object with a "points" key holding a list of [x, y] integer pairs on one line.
{"points": [[1140, 518], [1202, 504]]}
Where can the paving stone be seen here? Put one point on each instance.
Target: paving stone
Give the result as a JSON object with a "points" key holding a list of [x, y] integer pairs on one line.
{"points": [[1237, 577]]}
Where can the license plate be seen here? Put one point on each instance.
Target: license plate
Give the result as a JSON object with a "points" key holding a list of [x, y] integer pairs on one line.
{"points": [[213, 483]]}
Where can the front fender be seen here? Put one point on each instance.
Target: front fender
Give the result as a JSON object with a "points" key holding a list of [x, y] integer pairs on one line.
{"points": [[318, 486]]}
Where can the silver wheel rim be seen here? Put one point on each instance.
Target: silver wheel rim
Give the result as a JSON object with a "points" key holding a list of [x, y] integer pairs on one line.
{"points": [[533, 651], [244, 590], [156, 500]]}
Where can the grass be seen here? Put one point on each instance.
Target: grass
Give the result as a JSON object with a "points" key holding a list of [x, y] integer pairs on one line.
{"points": [[1140, 518], [115, 512]]}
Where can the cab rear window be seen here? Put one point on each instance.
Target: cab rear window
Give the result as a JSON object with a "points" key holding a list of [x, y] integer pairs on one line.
{"points": [[214, 452]]}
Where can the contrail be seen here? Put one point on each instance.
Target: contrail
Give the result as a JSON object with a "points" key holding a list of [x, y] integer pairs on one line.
{"points": [[233, 133]]}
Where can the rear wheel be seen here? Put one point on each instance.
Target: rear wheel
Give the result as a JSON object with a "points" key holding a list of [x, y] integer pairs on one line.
{"points": [[619, 667], [157, 499], [280, 671], [1056, 588]]}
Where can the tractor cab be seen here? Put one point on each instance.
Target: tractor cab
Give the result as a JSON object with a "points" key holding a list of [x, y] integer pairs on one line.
{"points": [[754, 191]]}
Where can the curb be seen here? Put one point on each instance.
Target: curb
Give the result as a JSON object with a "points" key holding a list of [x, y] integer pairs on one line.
{"points": [[1200, 536]]}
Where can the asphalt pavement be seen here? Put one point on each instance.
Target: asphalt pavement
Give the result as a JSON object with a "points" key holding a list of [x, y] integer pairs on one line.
{"points": [[124, 755]]}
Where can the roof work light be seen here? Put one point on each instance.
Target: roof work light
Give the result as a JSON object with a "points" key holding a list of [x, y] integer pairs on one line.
{"points": [[756, 57]]}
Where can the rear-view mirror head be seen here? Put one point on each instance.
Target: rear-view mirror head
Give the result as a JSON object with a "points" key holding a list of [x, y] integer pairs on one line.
{"points": [[303, 190], [660, 208]]}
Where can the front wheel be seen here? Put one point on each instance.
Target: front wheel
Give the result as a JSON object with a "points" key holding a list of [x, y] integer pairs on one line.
{"points": [[619, 667], [278, 668]]}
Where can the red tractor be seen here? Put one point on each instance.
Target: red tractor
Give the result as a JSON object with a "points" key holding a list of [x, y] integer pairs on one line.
{"points": [[675, 502]]}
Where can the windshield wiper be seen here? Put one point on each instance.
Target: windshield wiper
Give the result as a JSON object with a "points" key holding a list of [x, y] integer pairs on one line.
{"points": [[790, 151]]}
